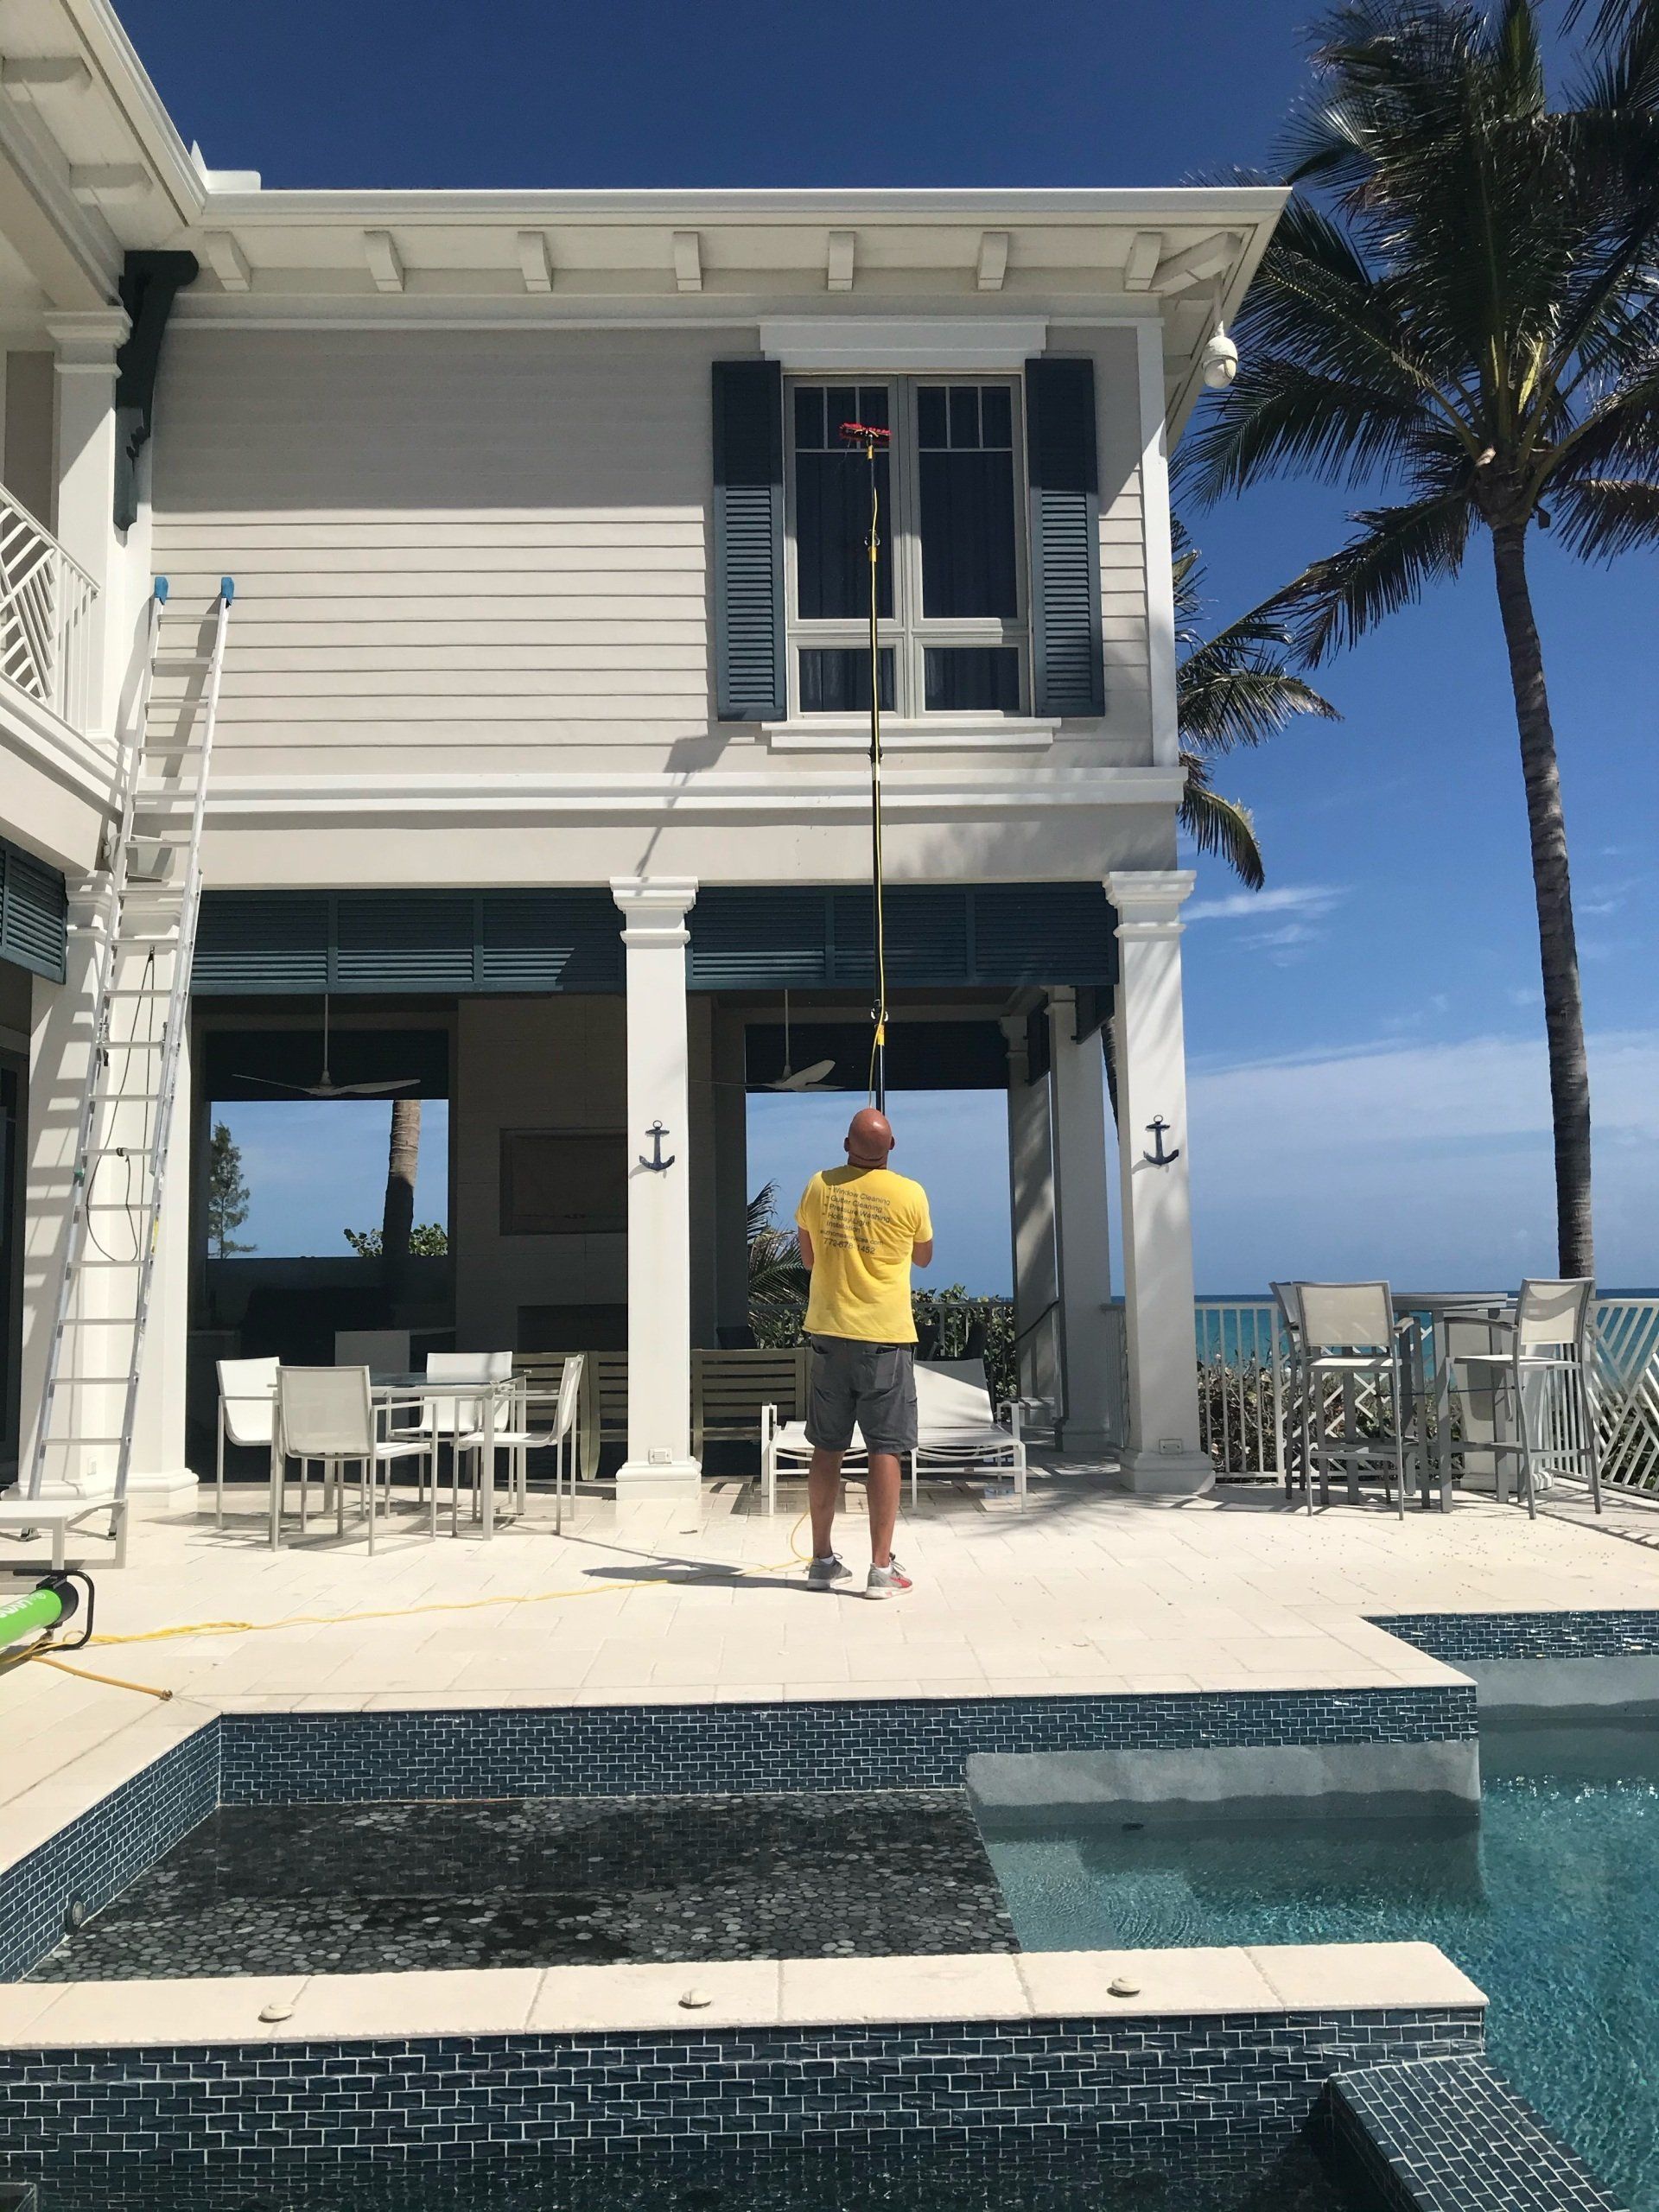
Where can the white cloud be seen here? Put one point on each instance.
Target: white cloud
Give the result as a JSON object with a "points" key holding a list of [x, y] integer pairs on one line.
{"points": [[1312, 899]]}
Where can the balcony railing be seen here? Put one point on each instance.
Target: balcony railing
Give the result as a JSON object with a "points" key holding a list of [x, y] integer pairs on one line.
{"points": [[45, 604]]}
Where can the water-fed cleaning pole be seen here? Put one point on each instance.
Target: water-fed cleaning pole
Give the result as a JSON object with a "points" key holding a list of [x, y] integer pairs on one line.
{"points": [[870, 440], [53, 1601]]}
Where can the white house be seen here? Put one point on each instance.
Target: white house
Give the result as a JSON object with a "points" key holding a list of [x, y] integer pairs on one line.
{"points": [[542, 748]]}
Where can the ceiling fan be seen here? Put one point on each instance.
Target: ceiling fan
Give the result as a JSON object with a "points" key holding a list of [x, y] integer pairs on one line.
{"points": [[325, 1086], [811, 1077]]}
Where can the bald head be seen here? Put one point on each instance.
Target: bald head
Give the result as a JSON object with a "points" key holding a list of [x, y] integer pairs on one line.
{"points": [[870, 1138]]}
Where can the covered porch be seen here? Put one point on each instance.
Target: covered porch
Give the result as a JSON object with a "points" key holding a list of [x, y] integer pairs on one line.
{"points": [[578, 1037]]}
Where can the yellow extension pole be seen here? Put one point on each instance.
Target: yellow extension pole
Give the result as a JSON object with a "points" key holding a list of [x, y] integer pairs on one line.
{"points": [[878, 1079]]}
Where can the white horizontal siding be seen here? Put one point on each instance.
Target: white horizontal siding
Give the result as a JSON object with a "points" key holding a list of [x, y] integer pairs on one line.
{"points": [[491, 545]]}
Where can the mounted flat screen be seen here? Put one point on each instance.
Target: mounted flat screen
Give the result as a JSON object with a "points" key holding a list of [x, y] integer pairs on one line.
{"points": [[564, 1182]]}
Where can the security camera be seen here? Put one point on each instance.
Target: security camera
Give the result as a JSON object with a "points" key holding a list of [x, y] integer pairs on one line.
{"points": [[1220, 361]]}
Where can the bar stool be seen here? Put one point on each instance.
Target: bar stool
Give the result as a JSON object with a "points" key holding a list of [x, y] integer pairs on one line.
{"points": [[1348, 1332], [1550, 1334]]}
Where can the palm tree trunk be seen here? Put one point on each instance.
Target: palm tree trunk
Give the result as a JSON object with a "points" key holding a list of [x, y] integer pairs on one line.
{"points": [[403, 1161], [1569, 1072]]}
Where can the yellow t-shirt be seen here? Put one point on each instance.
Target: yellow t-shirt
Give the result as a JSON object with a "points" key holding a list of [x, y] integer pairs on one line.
{"points": [[863, 1221]]}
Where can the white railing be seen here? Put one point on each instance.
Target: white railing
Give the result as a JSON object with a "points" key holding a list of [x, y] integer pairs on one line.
{"points": [[45, 604], [1244, 1393]]}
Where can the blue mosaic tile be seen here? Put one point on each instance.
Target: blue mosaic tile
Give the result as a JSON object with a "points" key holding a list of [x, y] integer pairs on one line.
{"points": [[1179, 2082], [666, 1750], [1590, 1635], [1448, 2134], [95, 1857]]}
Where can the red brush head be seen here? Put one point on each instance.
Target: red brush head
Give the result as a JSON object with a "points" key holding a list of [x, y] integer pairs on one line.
{"points": [[865, 433]]}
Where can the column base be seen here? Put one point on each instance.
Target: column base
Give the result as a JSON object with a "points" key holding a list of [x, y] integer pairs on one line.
{"points": [[1166, 1474], [158, 1495], [666, 1478]]}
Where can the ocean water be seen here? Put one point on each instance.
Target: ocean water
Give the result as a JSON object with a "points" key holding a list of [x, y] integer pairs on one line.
{"points": [[1552, 1905]]}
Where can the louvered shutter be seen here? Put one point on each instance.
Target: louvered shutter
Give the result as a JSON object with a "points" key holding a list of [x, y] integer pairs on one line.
{"points": [[34, 913], [1066, 656], [749, 681]]}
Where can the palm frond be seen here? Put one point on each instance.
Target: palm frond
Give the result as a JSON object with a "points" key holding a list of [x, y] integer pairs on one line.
{"points": [[1602, 516], [1235, 689], [1220, 826], [1397, 552]]}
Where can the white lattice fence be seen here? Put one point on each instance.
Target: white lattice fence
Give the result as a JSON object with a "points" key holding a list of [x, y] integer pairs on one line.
{"points": [[46, 601], [1627, 1392]]}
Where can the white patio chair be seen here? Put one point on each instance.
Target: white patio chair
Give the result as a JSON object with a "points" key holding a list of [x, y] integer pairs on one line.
{"points": [[328, 1413], [519, 1438], [1349, 1334], [1551, 1333], [467, 1420], [384, 1351], [247, 1413], [1288, 1297], [784, 1450], [956, 1428]]}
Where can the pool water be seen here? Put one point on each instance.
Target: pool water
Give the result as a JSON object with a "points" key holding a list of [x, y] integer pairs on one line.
{"points": [[1552, 1905], [1079, 2178]]}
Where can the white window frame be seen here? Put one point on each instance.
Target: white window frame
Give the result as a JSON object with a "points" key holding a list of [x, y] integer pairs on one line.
{"points": [[909, 631]]}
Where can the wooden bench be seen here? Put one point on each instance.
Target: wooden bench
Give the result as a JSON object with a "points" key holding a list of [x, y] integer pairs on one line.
{"points": [[728, 1389]]}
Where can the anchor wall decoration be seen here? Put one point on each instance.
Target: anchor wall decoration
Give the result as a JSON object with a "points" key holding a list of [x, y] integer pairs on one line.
{"points": [[1160, 1157], [656, 1164]]}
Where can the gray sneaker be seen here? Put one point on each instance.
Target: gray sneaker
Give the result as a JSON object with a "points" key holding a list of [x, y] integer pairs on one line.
{"points": [[884, 1581], [824, 1573]]}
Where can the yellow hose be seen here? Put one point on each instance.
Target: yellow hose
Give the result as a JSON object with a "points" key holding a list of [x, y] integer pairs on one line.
{"points": [[43, 1654]]}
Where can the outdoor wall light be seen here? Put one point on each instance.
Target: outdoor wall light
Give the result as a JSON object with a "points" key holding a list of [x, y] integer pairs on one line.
{"points": [[1220, 360]]}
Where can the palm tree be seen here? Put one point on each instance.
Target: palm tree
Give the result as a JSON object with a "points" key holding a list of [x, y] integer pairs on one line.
{"points": [[1468, 309], [1231, 689], [777, 1281]]}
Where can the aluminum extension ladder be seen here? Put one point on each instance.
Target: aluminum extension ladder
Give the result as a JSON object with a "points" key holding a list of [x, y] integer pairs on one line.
{"points": [[145, 921]]}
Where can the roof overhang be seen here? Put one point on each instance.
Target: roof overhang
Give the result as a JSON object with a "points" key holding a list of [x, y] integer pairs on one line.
{"points": [[86, 140]]}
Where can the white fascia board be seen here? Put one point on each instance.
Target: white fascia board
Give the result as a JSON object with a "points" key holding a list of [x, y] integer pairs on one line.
{"points": [[1233, 288], [94, 26], [1213, 208], [901, 343], [781, 796]]}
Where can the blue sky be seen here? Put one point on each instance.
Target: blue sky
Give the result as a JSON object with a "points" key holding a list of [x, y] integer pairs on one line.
{"points": [[1368, 1074]]}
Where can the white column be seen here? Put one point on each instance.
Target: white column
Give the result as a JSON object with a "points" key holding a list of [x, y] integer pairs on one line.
{"points": [[160, 1478], [59, 1049], [87, 346], [660, 1461], [731, 1107], [1031, 1223], [1078, 1095], [1165, 1457]]}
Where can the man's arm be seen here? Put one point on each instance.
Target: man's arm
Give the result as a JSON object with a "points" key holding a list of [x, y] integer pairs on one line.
{"points": [[804, 1238], [921, 1251]]}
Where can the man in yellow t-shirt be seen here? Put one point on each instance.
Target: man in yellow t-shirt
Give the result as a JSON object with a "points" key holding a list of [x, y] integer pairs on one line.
{"points": [[860, 1226]]}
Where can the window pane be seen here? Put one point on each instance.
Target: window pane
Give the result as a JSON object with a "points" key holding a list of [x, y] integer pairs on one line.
{"points": [[930, 414], [873, 405], [968, 534], [832, 506], [964, 679], [964, 416], [995, 415], [836, 680]]}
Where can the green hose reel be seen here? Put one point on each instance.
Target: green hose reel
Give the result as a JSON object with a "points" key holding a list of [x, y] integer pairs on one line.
{"points": [[53, 1600]]}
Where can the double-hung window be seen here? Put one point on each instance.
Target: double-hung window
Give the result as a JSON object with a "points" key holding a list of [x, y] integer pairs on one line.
{"points": [[953, 627]]}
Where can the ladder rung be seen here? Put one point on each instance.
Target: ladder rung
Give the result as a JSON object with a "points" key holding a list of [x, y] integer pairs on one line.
{"points": [[88, 1381], [63, 1442], [181, 660], [100, 1320]]}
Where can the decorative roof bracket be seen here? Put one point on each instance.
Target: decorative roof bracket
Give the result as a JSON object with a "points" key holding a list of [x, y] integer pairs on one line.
{"points": [[149, 284]]}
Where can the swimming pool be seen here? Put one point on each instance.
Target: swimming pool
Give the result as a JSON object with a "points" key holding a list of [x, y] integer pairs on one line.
{"points": [[1549, 1905]]}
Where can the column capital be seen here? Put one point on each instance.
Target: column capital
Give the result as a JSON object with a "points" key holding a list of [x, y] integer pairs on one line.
{"points": [[1148, 902], [86, 343], [654, 908]]}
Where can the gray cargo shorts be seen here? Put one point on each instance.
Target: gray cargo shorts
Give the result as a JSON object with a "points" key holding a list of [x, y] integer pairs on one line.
{"points": [[871, 1384]]}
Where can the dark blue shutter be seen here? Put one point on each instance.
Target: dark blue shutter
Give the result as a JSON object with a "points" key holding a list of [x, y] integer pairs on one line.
{"points": [[34, 913], [1066, 658], [749, 682]]}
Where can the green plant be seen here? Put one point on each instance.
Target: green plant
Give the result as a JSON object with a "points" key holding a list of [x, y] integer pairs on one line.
{"points": [[1460, 299], [228, 1197], [427, 1240], [778, 1282]]}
